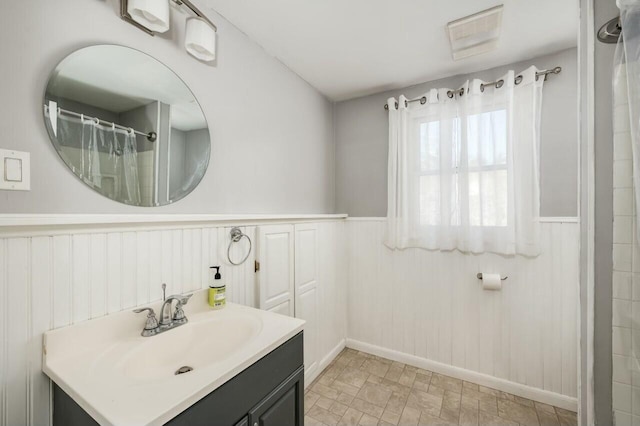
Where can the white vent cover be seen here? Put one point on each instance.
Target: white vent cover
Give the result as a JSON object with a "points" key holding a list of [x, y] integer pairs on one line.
{"points": [[475, 34]]}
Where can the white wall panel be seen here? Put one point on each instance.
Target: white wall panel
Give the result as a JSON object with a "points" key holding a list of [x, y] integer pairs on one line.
{"points": [[50, 281], [240, 289], [80, 245], [41, 320], [3, 332], [98, 275], [427, 304], [18, 329], [332, 289], [61, 252], [430, 304]]}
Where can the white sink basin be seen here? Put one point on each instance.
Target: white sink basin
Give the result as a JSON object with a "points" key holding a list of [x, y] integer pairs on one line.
{"points": [[122, 378], [197, 344]]}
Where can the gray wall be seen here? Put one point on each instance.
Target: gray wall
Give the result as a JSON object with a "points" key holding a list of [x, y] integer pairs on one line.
{"points": [[272, 133], [362, 140], [604, 10], [144, 119]]}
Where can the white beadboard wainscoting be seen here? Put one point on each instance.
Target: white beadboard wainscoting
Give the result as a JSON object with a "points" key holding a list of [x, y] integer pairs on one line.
{"points": [[57, 271], [427, 308]]}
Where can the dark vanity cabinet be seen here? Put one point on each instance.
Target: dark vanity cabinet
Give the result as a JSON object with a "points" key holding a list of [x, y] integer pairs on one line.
{"points": [[268, 393], [281, 407]]}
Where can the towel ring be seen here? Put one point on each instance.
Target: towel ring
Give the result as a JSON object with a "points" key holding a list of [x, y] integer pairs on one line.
{"points": [[236, 235]]}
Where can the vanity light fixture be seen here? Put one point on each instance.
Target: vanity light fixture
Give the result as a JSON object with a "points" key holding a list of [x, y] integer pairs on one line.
{"points": [[200, 39], [152, 16]]}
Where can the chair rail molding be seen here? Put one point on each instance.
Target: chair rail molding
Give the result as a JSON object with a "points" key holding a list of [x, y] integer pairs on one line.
{"points": [[51, 224]]}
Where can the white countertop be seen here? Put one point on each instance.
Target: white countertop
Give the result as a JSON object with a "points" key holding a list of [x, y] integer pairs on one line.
{"points": [[122, 378]]}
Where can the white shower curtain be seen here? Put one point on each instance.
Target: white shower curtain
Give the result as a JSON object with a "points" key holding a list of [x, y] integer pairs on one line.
{"points": [[627, 66], [130, 167], [463, 168], [100, 147]]}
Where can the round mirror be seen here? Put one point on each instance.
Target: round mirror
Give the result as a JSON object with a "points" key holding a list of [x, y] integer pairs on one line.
{"points": [[127, 125]]}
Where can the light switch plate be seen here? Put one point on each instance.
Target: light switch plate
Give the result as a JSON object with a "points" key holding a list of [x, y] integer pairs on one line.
{"points": [[15, 170]]}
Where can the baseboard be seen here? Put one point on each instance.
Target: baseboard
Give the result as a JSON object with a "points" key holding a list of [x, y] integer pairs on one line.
{"points": [[324, 362], [540, 395], [333, 354]]}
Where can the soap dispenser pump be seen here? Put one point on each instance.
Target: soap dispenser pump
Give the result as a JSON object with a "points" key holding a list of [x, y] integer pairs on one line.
{"points": [[217, 289]]}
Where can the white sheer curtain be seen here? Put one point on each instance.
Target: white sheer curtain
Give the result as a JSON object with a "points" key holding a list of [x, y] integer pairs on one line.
{"points": [[463, 168]]}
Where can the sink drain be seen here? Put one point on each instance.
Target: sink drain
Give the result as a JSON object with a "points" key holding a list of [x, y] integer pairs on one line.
{"points": [[183, 370]]}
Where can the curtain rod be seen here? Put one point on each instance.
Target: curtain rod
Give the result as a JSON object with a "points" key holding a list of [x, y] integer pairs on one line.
{"points": [[151, 136], [497, 84]]}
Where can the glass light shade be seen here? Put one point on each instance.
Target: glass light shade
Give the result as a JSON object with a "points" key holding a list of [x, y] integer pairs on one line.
{"points": [[152, 14], [200, 40]]}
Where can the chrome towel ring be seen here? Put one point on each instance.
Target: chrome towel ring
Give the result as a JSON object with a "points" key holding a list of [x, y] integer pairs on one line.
{"points": [[236, 235]]}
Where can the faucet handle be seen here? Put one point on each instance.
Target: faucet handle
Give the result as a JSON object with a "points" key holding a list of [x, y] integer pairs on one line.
{"points": [[178, 315], [152, 321]]}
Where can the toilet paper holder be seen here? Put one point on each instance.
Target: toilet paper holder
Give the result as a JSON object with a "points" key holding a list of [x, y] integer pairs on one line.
{"points": [[479, 276]]}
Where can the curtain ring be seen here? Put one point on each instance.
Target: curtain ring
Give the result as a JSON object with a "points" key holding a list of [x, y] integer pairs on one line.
{"points": [[396, 105], [406, 104], [482, 87], [423, 100], [518, 79], [499, 84], [450, 94], [96, 120]]}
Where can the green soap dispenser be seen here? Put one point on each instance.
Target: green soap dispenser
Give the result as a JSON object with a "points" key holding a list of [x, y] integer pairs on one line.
{"points": [[217, 289]]}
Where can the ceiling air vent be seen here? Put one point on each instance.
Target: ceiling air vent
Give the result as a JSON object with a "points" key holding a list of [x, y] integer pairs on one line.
{"points": [[475, 34]]}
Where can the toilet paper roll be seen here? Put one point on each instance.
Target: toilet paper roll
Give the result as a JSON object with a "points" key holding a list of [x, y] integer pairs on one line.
{"points": [[491, 281]]}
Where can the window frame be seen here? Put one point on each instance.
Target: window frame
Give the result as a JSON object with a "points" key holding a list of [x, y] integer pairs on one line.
{"points": [[417, 172]]}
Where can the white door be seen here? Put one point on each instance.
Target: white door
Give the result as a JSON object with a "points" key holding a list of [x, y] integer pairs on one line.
{"points": [[306, 292], [275, 278]]}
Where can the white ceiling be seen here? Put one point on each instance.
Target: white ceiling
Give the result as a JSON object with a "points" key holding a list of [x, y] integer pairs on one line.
{"points": [[351, 48]]}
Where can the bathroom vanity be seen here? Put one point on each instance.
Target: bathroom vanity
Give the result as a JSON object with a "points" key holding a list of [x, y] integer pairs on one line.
{"points": [[242, 366]]}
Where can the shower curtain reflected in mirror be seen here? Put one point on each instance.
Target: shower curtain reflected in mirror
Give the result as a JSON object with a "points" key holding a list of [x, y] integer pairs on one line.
{"points": [[106, 157]]}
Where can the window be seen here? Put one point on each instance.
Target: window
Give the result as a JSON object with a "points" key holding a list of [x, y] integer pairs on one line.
{"points": [[462, 173], [463, 168]]}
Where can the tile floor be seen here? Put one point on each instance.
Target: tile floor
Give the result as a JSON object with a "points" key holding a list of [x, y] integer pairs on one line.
{"points": [[362, 389]]}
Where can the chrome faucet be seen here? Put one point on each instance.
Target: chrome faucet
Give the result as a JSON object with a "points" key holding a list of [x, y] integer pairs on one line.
{"points": [[167, 320]]}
